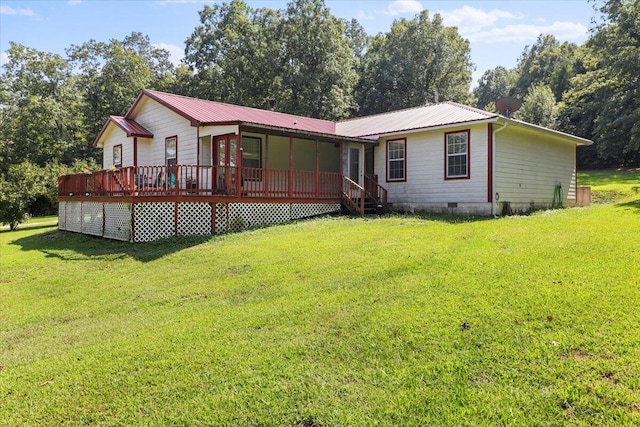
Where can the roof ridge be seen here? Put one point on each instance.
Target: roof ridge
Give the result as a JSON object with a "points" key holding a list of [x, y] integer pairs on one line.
{"points": [[390, 112], [235, 105], [470, 108]]}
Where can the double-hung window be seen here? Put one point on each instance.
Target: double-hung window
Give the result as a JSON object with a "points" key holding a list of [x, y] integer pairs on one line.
{"points": [[397, 160], [457, 154], [251, 152], [117, 156]]}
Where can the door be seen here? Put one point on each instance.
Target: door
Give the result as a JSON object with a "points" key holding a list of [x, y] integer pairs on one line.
{"points": [[355, 170], [225, 164]]}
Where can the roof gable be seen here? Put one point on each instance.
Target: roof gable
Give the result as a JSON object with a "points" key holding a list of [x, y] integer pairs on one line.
{"points": [[423, 117], [129, 126], [202, 112]]}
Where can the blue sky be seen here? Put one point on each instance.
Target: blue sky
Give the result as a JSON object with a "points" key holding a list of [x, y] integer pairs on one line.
{"points": [[498, 30]]}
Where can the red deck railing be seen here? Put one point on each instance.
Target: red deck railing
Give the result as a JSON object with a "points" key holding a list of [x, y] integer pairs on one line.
{"points": [[187, 180]]}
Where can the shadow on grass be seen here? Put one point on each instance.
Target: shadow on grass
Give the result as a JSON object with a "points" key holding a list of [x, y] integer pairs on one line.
{"points": [[77, 247], [446, 218], [634, 204]]}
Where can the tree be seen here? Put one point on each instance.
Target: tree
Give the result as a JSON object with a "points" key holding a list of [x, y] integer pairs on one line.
{"points": [[21, 186], [540, 107], [296, 61], [604, 102], [494, 84], [40, 114], [546, 62], [319, 73], [111, 75], [416, 62]]}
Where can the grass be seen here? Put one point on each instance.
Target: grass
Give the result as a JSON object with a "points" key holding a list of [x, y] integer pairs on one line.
{"points": [[611, 186], [402, 320]]}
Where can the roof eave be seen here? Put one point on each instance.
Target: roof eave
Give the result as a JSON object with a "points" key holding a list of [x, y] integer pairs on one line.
{"points": [[430, 128], [519, 123], [301, 132]]}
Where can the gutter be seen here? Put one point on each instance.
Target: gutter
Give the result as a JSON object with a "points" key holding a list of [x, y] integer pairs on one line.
{"points": [[493, 169]]}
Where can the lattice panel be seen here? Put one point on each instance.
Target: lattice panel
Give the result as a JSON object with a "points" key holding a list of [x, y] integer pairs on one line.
{"points": [[247, 215], [303, 210], [62, 208], [73, 217], [154, 221], [117, 221], [92, 220], [194, 219], [221, 218]]}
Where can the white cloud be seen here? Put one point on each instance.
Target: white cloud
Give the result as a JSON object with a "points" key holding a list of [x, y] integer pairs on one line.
{"points": [[175, 53], [470, 20], [524, 32], [163, 2], [363, 16], [74, 2], [403, 7], [8, 10]]}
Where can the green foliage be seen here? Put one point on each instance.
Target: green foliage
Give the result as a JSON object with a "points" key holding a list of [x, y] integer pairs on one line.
{"points": [[21, 185], [604, 101], [546, 62], [418, 61], [111, 75], [540, 107], [415, 320], [297, 60], [40, 114], [493, 85]]}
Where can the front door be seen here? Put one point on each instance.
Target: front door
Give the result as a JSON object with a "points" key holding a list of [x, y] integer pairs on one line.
{"points": [[354, 165], [225, 161]]}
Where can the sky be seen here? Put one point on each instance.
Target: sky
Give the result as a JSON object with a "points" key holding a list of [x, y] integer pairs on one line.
{"points": [[498, 31]]}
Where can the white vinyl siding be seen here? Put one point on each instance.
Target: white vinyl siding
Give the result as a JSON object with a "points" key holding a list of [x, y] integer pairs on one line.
{"points": [[116, 136], [426, 183], [164, 123], [530, 164]]}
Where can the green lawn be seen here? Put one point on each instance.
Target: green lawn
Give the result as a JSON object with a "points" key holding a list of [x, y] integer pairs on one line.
{"points": [[402, 320], [610, 186]]}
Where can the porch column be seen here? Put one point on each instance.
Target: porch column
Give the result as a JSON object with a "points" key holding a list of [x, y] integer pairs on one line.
{"points": [[290, 166], [317, 169], [265, 179], [135, 151], [239, 163]]}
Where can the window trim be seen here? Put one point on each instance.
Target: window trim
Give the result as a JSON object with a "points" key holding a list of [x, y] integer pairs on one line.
{"points": [[119, 148], [404, 160], [447, 177], [166, 158]]}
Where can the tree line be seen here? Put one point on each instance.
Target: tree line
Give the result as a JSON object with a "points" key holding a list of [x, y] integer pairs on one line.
{"points": [[304, 60]]}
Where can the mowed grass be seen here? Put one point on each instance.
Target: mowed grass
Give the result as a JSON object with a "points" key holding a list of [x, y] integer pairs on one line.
{"points": [[609, 186], [401, 320]]}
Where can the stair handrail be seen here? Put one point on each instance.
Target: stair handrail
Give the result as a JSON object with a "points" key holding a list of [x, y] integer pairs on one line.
{"points": [[348, 187], [375, 190]]}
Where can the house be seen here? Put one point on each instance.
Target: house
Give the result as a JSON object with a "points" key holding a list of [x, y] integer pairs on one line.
{"points": [[180, 165]]}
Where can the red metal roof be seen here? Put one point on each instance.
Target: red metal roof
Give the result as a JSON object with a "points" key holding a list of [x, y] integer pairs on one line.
{"points": [[426, 116], [200, 111], [129, 126]]}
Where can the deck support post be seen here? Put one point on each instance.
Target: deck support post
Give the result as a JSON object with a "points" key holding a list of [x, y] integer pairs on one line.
{"points": [[317, 192], [290, 183], [266, 166]]}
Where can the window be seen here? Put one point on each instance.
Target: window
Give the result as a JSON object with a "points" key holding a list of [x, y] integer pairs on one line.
{"points": [[251, 152], [396, 160], [457, 154], [117, 156], [171, 150]]}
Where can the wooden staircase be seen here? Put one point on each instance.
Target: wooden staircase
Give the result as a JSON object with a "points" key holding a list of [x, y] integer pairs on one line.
{"points": [[368, 200]]}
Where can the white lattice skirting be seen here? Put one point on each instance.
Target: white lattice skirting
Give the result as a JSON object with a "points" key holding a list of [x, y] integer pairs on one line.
{"points": [[148, 221]]}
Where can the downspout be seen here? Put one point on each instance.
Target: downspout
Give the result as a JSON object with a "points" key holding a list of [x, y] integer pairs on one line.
{"points": [[493, 169]]}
